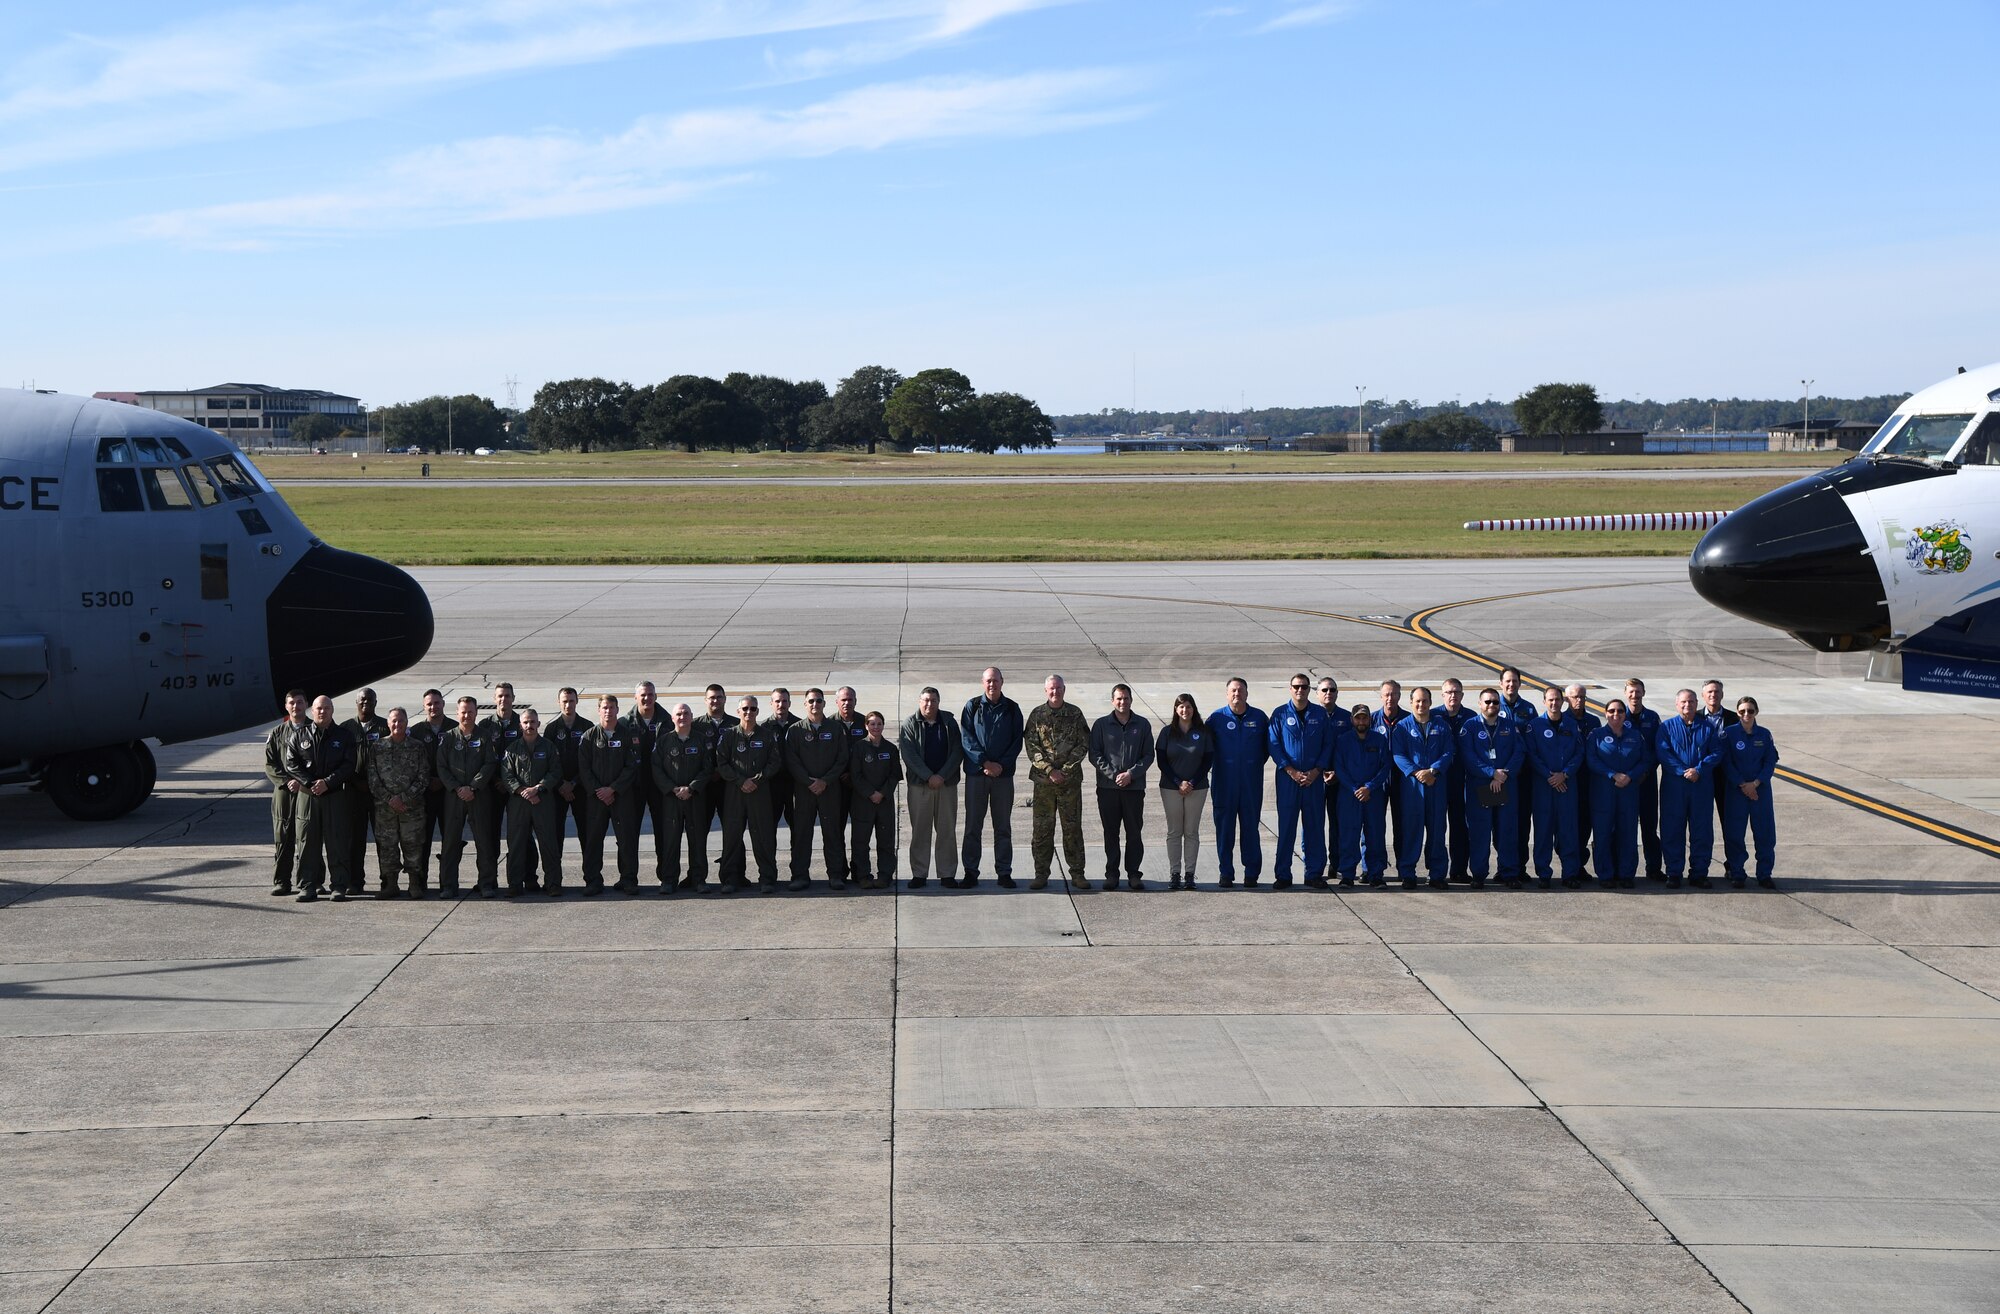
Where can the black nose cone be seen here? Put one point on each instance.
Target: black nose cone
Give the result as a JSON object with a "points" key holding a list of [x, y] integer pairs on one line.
{"points": [[1794, 558], [339, 620]]}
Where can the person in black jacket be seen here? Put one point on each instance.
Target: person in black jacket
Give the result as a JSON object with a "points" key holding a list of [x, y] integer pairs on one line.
{"points": [[1185, 751], [990, 729], [1121, 748]]}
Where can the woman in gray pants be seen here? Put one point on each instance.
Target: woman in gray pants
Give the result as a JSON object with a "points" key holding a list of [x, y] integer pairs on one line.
{"points": [[1184, 751]]}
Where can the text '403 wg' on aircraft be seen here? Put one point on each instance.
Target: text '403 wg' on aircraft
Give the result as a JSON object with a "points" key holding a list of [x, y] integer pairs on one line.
{"points": [[157, 588]]}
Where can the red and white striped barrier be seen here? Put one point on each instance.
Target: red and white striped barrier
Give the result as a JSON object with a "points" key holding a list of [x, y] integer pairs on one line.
{"points": [[1643, 520]]}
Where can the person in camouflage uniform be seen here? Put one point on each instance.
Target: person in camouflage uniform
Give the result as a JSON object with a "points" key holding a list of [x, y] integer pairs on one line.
{"points": [[399, 775], [1058, 740]]}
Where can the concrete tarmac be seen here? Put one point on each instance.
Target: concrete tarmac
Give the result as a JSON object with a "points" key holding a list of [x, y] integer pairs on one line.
{"points": [[988, 1100]]}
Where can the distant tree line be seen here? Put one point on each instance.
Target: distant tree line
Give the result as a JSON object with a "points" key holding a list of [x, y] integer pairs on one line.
{"points": [[747, 412], [1691, 414]]}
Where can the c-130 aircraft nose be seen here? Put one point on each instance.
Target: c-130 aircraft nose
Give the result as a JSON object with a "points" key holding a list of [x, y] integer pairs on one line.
{"points": [[339, 620], [1795, 559]]}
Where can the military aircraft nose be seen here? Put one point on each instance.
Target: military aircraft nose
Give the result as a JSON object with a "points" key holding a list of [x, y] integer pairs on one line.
{"points": [[1795, 559], [339, 620]]}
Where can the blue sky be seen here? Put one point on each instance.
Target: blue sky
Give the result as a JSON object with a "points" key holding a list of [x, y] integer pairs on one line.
{"points": [[1200, 204]]}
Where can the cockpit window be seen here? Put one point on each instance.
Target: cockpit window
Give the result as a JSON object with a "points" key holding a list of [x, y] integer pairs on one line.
{"points": [[235, 481], [113, 451], [1983, 448], [118, 490], [149, 449], [1922, 436], [164, 489], [203, 483], [178, 448]]}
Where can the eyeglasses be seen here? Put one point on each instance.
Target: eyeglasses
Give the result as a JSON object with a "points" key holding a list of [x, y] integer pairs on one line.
{"points": [[1328, 688], [1489, 702], [814, 702], [1299, 686]]}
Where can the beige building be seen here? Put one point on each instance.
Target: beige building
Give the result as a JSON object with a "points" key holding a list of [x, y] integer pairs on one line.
{"points": [[253, 414]]}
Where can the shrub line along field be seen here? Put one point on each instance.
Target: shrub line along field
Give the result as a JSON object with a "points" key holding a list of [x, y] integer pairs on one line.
{"points": [[1181, 521], [699, 465]]}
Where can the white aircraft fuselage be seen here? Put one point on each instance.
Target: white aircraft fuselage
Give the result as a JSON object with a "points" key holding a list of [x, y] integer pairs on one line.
{"points": [[1897, 550]]}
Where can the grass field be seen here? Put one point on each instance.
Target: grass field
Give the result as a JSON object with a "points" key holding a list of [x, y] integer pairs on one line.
{"points": [[709, 465], [1038, 522]]}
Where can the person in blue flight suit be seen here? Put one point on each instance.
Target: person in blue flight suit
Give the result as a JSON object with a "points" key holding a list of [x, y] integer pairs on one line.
{"points": [[1578, 711], [1386, 717], [1515, 707], [1749, 757], [1456, 714], [1362, 768], [1302, 748], [1688, 754], [1647, 722], [1616, 757], [1555, 760], [1337, 724], [1492, 751], [1236, 785], [1424, 746], [1722, 720]]}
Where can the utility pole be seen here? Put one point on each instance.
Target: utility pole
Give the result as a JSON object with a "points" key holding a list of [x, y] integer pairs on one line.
{"points": [[449, 444], [1360, 413], [1808, 383]]}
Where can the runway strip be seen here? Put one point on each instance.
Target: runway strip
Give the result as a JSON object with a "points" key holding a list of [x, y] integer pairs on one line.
{"points": [[1238, 477]]}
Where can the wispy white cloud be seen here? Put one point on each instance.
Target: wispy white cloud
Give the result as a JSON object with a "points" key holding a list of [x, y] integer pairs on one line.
{"points": [[657, 160], [231, 75], [950, 21], [1310, 15]]}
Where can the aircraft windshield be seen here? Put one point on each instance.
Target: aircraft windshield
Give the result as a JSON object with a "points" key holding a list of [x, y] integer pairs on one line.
{"points": [[230, 474], [1983, 448], [1924, 437], [205, 490]]}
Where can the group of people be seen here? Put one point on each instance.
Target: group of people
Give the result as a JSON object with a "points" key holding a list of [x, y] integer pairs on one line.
{"points": [[1439, 789]]}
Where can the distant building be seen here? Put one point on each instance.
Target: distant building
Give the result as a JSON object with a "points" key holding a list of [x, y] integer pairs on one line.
{"points": [[265, 412], [1823, 436], [1600, 442]]}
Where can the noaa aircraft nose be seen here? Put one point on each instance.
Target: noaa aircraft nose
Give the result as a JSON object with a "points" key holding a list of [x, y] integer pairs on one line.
{"points": [[339, 620], [1795, 559]]}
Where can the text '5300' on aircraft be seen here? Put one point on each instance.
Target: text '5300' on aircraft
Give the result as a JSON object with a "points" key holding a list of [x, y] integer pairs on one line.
{"points": [[157, 588]]}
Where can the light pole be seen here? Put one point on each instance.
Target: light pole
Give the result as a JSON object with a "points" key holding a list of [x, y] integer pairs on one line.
{"points": [[1807, 384], [1360, 402]]}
